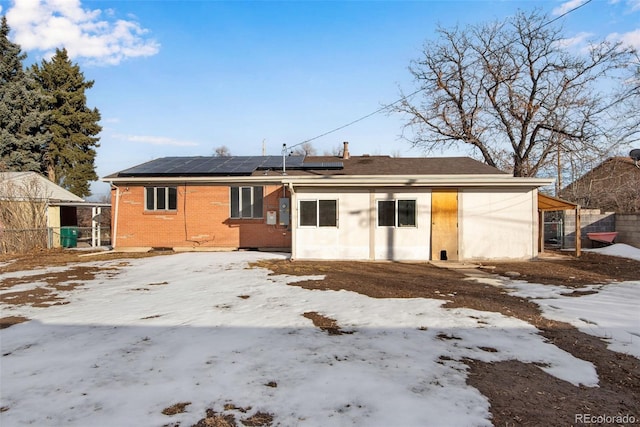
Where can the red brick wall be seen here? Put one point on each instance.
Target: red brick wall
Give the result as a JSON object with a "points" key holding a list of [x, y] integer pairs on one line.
{"points": [[201, 220]]}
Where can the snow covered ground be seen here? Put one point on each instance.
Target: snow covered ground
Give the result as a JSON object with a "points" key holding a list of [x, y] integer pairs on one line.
{"points": [[203, 328], [612, 313]]}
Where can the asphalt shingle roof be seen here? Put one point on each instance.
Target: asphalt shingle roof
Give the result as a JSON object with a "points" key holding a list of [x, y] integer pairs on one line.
{"points": [[312, 165]]}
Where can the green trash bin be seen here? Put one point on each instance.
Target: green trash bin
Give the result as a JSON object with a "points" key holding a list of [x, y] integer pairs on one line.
{"points": [[69, 237]]}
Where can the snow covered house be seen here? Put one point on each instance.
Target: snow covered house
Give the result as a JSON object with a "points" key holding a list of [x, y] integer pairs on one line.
{"points": [[332, 208]]}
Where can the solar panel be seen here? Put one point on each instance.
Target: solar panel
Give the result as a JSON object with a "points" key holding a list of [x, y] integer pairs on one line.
{"points": [[323, 165], [275, 162], [235, 165]]}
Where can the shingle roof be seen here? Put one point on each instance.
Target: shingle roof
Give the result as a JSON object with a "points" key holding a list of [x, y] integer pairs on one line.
{"points": [[385, 165], [312, 165], [31, 185]]}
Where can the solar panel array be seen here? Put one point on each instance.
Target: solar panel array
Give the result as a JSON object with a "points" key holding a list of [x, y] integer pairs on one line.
{"points": [[224, 166]]}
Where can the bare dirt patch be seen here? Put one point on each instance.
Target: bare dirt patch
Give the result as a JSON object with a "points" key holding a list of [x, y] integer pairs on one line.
{"points": [[7, 321], [227, 418], [519, 393], [52, 287], [327, 324], [565, 270], [176, 408], [58, 257]]}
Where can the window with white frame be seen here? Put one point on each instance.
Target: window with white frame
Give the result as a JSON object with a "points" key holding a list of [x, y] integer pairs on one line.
{"points": [[396, 213], [247, 202], [161, 198], [318, 213]]}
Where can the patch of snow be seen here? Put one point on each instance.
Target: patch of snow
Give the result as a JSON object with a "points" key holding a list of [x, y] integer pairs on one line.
{"points": [[620, 250], [611, 313], [206, 329], [4, 264]]}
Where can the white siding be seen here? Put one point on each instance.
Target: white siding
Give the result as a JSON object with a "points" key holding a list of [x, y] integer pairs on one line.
{"points": [[497, 224]]}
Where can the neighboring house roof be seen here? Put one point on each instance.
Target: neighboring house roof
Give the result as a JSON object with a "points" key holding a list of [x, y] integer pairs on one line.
{"points": [[31, 185], [613, 185]]}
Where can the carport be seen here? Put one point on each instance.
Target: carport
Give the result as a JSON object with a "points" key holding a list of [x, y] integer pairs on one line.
{"points": [[551, 204]]}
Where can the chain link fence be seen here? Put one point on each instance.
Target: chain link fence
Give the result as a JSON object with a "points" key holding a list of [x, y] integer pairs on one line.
{"points": [[25, 240]]}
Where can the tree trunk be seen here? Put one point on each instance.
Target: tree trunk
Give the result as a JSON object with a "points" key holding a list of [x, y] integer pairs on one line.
{"points": [[51, 173]]}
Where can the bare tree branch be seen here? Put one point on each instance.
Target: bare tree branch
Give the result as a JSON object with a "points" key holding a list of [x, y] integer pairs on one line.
{"points": [[511, 87]]}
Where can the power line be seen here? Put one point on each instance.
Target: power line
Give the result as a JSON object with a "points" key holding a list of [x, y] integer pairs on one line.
{"points": [[385, 107], [565, 14]]}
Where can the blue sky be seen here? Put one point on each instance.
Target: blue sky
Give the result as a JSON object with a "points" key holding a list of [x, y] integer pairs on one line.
{"points": [[184, 77]]}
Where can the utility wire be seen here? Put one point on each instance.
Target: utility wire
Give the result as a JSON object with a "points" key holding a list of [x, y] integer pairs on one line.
{"points": [[565, 14], [384, 107]]}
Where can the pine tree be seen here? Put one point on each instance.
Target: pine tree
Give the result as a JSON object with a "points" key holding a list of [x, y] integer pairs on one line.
{"points": [[69, 156], [23, 120]]}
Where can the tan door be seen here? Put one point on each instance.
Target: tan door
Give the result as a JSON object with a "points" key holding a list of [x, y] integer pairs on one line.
{"points": [[444, 224]]}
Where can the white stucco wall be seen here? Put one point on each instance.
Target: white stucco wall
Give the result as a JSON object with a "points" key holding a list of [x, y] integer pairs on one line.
{"points": [[498, 224], [349, 240], [405, 243], [357, 236], [493, 224]]}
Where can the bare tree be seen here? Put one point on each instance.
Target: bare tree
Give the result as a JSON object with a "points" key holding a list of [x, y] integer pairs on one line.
{"points": [[335, 151], [305, 149], [613, 185], [515, 93], [222, 151], [23, 216]]}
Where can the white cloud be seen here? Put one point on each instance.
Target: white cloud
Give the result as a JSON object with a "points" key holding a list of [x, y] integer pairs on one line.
{"points": [[631, 39], [578, 40], [158, 140], [90, 34], [567, 6], [634, 5]]}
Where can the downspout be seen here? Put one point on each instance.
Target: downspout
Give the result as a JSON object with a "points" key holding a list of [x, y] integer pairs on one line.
{"points": [[115, 217], [292, 216], [48, 223]]}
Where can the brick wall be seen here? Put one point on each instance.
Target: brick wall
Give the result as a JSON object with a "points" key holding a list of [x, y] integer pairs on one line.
{"points": [[201, 220]]}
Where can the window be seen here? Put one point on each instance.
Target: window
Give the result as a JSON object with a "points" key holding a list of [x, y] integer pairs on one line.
{"points": [[386, 213], [246, 202], [161, 198], [396, 213], [318, 213], [406, 213]]}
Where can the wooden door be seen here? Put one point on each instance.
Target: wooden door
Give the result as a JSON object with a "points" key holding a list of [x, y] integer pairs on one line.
{"points": [[444, 224]]}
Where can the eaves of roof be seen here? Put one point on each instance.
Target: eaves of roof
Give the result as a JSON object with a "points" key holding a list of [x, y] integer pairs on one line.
{"points": [[457, 180]]}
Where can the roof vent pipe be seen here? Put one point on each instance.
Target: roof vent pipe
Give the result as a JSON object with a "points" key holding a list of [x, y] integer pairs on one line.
{"points": [[345, 151]]}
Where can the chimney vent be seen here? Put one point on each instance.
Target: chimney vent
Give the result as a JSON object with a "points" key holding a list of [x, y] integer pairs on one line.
{"points": [[345, 151]]}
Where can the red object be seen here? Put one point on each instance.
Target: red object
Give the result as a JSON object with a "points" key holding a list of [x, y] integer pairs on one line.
{"points": [[603, 237]]}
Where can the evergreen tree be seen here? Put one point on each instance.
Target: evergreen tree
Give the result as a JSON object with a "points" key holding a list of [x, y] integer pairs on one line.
{"points": [[69, 156], [23, 120]]}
